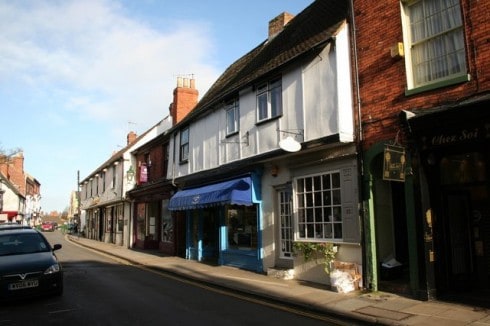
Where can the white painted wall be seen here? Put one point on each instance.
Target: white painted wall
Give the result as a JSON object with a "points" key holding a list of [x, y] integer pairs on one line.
{"points": [[317, 99]]}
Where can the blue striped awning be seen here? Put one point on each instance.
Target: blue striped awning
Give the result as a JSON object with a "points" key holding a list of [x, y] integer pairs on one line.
{"points": [[237, 191]]}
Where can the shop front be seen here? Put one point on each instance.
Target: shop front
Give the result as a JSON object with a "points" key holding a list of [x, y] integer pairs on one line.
{"points": [[223, 222], [454, 148]]}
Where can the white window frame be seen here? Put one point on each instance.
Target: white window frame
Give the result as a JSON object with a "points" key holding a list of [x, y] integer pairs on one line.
{"points": [[286, 228], [269, 100], [318, 207], [452, 61], [232, 117], [184, 144]]}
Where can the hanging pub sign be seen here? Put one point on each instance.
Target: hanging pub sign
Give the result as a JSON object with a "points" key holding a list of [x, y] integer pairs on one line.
{"points": [[394, 163]]}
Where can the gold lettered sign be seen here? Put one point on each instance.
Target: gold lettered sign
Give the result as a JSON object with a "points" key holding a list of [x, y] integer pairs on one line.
{"points": [[394, 163]]}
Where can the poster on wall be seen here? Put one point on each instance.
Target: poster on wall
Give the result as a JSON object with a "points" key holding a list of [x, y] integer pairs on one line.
{"points": [[143, 173], [394, 163]]}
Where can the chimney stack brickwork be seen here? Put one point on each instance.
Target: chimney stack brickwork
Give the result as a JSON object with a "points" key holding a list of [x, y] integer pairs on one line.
{"points": [[13, 170], [277, 24], [185, 99], [131, 137]]}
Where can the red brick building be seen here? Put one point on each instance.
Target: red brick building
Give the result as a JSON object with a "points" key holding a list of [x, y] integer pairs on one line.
{"points": [[154, 225], [423, 70]]}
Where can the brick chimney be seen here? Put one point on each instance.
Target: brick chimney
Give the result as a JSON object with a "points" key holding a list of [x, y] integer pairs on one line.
{"points": [[277, 24], [131, 137], [13, 170], [185, 99]]}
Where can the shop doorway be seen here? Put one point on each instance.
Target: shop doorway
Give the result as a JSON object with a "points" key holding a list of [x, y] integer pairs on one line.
{"points": [[463, 230], [391, 237], [203, 231]]}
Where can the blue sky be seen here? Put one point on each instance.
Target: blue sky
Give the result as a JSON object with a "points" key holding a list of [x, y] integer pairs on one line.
{"points": [[77, 75]]}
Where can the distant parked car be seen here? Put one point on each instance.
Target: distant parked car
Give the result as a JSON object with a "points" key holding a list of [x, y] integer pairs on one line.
{"points": [[48, 227], [29, 266]]}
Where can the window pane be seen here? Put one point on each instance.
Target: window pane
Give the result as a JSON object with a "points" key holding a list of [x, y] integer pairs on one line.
{"points": [[336, 197], [326, 181], [276, 101], [437, 40], [262, 106], [300, 185], [337, 231], [317, 183], [230, 121], [309, 199], [318, 215], [309, 215], [336, 180], [320, 206]]}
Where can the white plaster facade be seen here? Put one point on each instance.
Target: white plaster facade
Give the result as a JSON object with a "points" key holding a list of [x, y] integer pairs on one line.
{"points": [[316, 104]]}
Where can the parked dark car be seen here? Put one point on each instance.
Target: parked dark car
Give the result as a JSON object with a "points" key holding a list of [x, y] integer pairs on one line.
{"points": [[13, 225], [28, 264]]}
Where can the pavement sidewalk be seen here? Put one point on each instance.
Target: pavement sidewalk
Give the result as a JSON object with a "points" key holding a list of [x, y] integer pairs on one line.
{"points": [[362, 308]]}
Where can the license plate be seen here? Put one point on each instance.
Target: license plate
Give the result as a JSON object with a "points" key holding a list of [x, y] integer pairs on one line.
{"points": [[23, 285]]}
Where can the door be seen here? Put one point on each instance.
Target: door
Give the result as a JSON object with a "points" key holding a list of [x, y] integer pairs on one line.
{"points": [[457, 240], [210, 228], [286, 231]]}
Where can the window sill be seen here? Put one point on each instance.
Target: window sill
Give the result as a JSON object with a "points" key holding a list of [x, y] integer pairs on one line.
{"points": [[444, 83], [231, 134], [261, 122]]}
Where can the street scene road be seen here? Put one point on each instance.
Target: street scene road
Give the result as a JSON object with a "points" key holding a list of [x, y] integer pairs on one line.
{"points": [[102, 291]]}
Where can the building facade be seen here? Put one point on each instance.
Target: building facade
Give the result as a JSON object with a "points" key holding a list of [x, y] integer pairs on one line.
{"points": [[106, 213], [423, 94], [268, 158], [154, 225]]}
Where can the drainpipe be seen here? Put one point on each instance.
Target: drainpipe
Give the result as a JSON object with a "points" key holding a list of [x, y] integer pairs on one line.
{"points": [[369, 279]]}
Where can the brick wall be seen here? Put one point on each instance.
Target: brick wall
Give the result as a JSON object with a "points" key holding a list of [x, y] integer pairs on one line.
{"points": [[382, 79], [185, 99], [13, 170]]}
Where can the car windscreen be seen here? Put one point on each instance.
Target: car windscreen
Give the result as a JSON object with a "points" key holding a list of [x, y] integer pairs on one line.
{"points": [[27, 243]]}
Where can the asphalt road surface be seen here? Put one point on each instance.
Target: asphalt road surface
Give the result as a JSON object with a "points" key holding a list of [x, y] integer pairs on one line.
{"points": [[100, 290]]}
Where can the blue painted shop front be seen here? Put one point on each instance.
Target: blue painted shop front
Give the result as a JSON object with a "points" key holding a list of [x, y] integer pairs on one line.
{"points": [[223, 222]]}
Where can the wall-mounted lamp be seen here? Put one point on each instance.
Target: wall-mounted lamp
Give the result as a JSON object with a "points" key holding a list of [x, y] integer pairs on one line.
{"points": [[130, 174], [246, 142], [397, 51], [116, 163]]}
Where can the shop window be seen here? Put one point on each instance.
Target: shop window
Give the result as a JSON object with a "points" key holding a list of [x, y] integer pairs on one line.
{"points": [[167, 223], [140, 221], [319, 207], [463, 168], [241, 222]]}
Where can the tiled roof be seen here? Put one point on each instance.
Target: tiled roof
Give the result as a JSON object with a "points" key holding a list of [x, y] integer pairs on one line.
{"points": [[311, 28]]}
